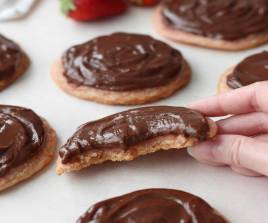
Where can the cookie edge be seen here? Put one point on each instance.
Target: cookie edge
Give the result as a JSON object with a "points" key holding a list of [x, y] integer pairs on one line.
{"points": [[134, 97], [192, 39], [26, 170], [24, 66], [222, 84]]}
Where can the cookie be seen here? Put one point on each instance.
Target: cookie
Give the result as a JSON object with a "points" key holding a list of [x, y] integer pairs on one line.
{"points": [[27, 145], [121, 68], [132, 133], [13, 62], [225, 25], [153, 205], [251, 70]]}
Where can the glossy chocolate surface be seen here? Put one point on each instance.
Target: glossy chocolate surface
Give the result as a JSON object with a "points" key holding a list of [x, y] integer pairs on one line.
{"points": [[21, 136], [10, 58], [152, 206], [252, 69], [218, 19], [121, 62], [131, 127]]}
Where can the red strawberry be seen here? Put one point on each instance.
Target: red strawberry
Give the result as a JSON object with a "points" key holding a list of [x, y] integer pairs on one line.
{"points": [[86, 10], [144, 2]]}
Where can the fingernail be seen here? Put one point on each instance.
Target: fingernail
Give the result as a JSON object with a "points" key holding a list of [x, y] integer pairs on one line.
{"points": [[190, 105], [202, 150], [203, 155], [190, 151]]}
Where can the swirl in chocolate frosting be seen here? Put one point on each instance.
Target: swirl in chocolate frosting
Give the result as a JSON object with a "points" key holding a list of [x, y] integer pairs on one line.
{"points": [[21, 136], [218, 19], [252, 69], [121, 62], [131, 127], [10, 58], [153, 206]]}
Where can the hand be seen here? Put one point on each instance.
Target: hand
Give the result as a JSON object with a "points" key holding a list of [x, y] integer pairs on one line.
{"points": [[242, 140]]}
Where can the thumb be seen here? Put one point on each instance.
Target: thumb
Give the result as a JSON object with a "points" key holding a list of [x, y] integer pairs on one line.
{"points": [[234, 150]]}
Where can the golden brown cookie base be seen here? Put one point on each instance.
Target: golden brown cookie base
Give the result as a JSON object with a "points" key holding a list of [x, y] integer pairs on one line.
{"points": [[118, 97], [222, 85], [35, 164], [150, 146], [183, 37], [25, 63]]}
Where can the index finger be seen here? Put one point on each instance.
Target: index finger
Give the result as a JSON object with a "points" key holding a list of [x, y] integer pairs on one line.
{"points": [[247, 99]]}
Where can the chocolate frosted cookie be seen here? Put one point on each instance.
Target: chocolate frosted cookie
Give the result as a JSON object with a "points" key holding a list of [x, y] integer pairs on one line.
{"points": [[226, 25], [121, 68], [251, 70], [13, 62], [129, 134], [27, 144], [153, 206]]}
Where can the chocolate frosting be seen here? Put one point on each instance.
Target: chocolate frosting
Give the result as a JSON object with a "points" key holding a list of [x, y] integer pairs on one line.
{"points": [[218, 19], [21, 136], [131, 127], [252, 69], [10, 57], [153, 206], [121, 62]]}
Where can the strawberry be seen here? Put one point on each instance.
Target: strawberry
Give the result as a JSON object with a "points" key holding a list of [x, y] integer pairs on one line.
{"points": [[86, 10], [144, 2]]}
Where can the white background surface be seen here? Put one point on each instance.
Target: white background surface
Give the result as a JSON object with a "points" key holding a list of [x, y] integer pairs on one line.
{"points": [[49, 198]]}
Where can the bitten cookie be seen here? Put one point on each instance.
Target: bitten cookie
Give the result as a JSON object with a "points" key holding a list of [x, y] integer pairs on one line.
{"points": [[13, 62], [132, 133], [153, 205], [225, 25], [121, 69], [252, 69], [27, 144]]}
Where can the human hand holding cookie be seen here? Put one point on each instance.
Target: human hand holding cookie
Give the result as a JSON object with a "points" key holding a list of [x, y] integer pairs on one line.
{"points": [[242, 139]]}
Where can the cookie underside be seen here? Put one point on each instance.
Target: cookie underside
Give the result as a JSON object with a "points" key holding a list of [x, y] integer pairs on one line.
{"points": [[188, 38], [33, 165], [132, 97], [149, 146]]}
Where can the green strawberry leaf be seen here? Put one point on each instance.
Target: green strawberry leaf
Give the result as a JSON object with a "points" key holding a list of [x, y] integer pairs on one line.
{"points": [[67, 6]]}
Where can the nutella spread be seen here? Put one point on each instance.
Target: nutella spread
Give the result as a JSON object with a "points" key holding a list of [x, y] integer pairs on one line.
{"points": [[250, 70], [10, 58], [153, 206], [131, 127], [218, 19], [121, 62], [21, 136]]}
